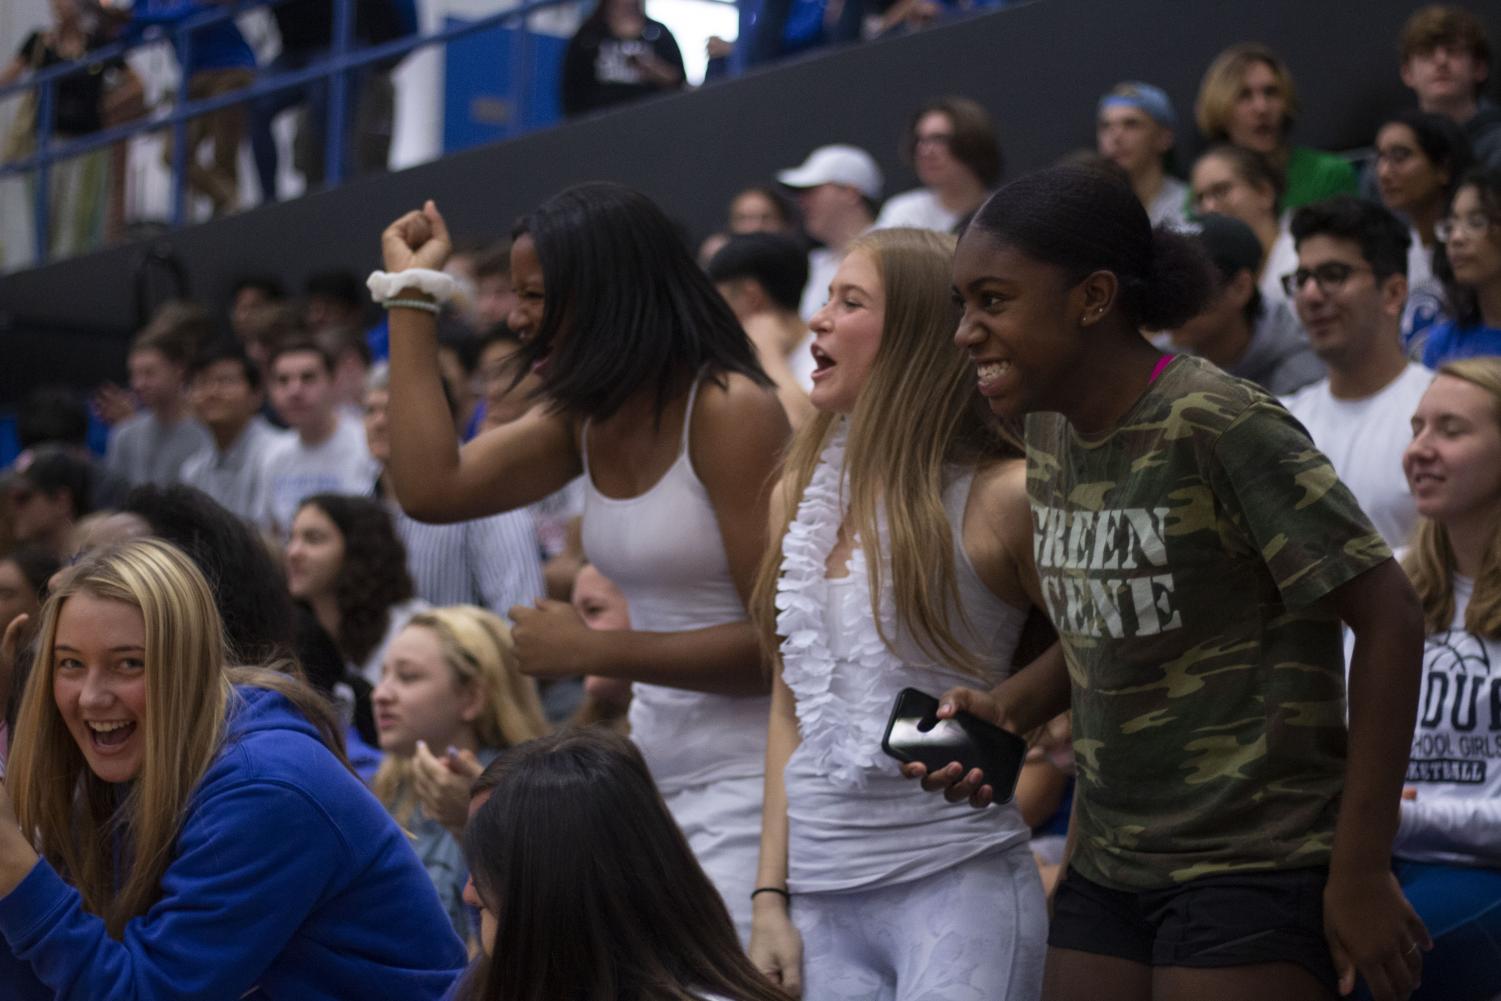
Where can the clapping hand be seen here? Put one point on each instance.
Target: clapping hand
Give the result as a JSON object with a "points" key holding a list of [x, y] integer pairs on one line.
{"points": [[112, 404], [443, 784]]}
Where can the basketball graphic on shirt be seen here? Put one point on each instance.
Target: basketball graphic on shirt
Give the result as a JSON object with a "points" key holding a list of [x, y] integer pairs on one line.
{"points": [[1458, 732]]}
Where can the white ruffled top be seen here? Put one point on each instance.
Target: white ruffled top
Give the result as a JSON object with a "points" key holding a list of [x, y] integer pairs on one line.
{"points": [[853, 820]]}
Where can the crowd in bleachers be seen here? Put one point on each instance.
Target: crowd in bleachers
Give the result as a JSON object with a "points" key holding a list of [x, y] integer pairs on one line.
{"points": [[88, 203], [541, 640], [617, 55]]}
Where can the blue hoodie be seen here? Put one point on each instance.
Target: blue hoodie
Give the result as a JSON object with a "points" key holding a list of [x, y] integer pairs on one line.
{"points": [[289, 881]]}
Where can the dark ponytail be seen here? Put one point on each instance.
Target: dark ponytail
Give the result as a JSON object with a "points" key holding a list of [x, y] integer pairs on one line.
{"points": [[1083, 219], [1179, 283]]}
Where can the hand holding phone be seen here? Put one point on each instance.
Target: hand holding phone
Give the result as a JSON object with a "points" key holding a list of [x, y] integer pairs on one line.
{"points": [[914, 733]]}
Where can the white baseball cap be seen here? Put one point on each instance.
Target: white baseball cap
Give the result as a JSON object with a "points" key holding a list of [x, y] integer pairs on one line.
{"points": [[838, 164]]}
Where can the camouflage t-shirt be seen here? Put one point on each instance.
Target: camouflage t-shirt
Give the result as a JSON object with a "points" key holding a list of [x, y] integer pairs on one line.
{"points": [[1183, 556]]}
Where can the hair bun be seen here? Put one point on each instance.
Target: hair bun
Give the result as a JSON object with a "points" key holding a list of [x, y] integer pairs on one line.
{"points": [[1179, 280], [1083, 219]]}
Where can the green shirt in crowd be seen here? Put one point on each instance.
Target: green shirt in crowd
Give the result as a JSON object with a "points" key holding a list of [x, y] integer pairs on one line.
{"points": [[1185, 557], [1313, 176]]}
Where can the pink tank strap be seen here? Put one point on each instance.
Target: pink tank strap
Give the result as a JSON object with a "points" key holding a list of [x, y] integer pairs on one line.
{"points": [[1162, 364]]}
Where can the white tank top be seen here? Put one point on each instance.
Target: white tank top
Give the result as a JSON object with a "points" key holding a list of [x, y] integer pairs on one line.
{"points": [[664, 551], [853, 820]]}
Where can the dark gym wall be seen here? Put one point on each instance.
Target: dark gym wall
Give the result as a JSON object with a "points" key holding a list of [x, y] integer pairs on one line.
{"points": [[1039, 67]]}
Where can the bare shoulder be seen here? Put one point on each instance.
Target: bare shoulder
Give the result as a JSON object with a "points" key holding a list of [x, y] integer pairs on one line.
{"points": [[1013, 511], [998, 529], [735, 414], [1000, 492], [733, 395], [738, 436]]}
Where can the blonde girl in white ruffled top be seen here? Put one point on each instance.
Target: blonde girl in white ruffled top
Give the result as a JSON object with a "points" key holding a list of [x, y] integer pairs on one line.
{"points": [[905, 561]]}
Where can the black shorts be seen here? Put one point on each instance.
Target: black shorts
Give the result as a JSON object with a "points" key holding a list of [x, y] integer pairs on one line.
{"points": [[1214, 921]]}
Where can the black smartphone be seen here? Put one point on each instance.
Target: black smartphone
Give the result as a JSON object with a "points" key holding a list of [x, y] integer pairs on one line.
{"points": [[915, 733]]}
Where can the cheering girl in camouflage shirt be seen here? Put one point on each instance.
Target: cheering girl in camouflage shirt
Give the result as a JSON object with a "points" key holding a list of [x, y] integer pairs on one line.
{"points": [[1197, 555]]}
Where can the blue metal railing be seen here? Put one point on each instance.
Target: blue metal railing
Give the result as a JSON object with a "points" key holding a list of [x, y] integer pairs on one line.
{"points": [[343, 58]]}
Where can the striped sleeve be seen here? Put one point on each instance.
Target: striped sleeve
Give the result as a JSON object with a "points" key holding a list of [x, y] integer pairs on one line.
{"points": [[503, 556]]}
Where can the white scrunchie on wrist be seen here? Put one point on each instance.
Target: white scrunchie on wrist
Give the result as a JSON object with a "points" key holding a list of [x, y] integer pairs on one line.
{"points": [[386, 285]]}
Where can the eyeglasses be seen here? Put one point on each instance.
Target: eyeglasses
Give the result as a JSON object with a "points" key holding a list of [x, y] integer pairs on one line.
{"points": [[943, 139], [1329, 276], [1213, 196], [1471, 223]]}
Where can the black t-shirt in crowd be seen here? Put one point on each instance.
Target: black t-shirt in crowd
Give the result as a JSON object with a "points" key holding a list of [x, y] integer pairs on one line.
{"points": [[307, 26], [599, 69], [76, 100]]}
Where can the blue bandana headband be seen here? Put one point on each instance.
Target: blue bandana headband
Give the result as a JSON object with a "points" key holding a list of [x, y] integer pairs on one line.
{"points": [[1145, 98]]}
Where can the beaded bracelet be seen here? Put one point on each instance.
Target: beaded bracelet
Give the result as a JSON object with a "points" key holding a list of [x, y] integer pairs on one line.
{"points": [[426, 307]]}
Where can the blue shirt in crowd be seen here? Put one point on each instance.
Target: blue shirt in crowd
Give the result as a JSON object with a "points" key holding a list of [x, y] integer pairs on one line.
{"points": [[1448, 341], [289, 881], [217, 46]]}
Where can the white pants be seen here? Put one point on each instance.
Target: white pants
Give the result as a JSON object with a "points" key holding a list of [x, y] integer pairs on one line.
{"points": [[976, 932], [722, 822]]}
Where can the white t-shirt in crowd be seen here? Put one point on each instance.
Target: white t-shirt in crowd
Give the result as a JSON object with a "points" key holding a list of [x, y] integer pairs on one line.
{"points": [[1170, 207], [234, 476], [1280, 260], [1419, 259], [1425, 295], [823, 263], [918, 208], [1455, 764], [339, 465], [1364, 440]]}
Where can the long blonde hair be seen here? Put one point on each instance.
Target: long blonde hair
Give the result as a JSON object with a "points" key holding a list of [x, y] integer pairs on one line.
{"points": [[75, 817], [1430, 559], [918, 412], [477, 648]]}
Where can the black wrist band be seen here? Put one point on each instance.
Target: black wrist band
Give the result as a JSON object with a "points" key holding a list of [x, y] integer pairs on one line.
{"points": [[770, 889]]}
